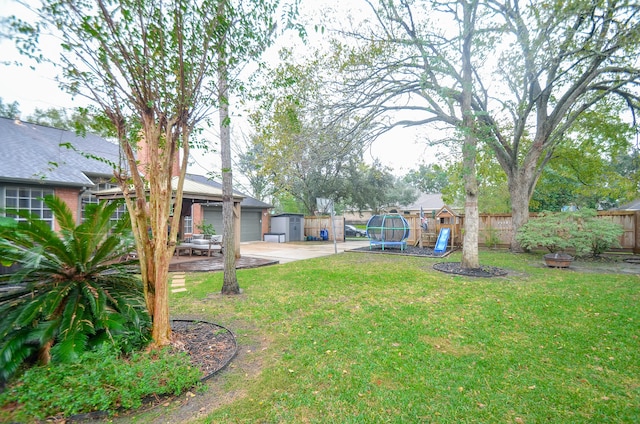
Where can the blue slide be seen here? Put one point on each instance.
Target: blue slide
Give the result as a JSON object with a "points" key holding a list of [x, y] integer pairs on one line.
{"points": [[443, 239]]}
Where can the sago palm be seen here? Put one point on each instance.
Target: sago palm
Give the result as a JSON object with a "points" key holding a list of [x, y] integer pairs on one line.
{"points": [[75, 292]]}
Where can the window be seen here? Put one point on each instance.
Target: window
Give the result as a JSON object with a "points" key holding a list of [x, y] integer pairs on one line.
{"points": [[88, 198], [30, 200], [188, 224]]}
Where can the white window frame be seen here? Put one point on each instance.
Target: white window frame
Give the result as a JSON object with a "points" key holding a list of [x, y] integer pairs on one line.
{"points": [[30, 199]]}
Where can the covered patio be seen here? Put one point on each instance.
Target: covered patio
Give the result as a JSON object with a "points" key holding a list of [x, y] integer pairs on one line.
{"points": [[193, 193]]}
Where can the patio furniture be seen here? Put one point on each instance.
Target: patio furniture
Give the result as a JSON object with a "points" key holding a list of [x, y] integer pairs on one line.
{"points": [[200, 244]]}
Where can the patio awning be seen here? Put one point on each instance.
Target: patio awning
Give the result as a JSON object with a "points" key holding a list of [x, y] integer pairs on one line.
{"points": [[191, 190]]}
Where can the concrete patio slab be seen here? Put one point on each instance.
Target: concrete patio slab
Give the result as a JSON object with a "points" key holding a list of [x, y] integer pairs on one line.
{"points": [[295, 251], [260, 253]]}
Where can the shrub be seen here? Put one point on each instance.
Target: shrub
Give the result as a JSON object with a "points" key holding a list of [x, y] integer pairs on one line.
{"points": [[595, 236], [551, 231], [207, 229], [99, 381], [581, 231], [75, 293], [491, 239]]}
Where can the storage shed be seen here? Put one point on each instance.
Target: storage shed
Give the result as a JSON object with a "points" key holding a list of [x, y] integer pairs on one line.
{"points": [[289, 224]]}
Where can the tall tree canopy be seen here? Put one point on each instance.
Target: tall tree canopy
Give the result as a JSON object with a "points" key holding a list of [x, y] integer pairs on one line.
{"points": [[429, 178], [374, 188], [301, 147], [401, 60], [249, 164], [537, 67], [565, 58]]}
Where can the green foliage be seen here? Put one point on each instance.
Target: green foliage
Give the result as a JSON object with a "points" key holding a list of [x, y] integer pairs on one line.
{"points": [[300, 145], [249, 166], [588, 169], [207, 229], [582, 231], [548, 230], [285, 202], [80, 120], [9, 110], [74, 293], [430, 178], [596, 235], [561, 80], [491, 238], [99, 381], [373, 187]]}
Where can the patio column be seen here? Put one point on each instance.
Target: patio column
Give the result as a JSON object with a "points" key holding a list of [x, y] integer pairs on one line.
{"points": [[238, 229]]}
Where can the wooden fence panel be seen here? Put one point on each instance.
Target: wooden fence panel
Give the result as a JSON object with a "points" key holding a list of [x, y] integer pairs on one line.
{"points": [[492, 227], [499, 225], [495, 228], [626, 219], [313, 225]]}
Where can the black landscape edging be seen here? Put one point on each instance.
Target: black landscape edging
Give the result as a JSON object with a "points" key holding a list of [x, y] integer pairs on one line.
{"points": [[96, 415], [233, 337]]}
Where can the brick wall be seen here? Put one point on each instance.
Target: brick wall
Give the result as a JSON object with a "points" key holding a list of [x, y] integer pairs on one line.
{"points": [[198, 217], [71, 198]]}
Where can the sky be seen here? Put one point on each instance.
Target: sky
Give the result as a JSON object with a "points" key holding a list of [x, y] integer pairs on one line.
{"points": [[34, 86]]}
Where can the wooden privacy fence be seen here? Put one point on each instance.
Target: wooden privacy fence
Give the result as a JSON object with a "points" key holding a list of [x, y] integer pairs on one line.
{"points": [[313, 225], [497, 228], [494, 229]]}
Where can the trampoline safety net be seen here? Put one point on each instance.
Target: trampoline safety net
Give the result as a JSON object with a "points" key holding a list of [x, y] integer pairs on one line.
{"points": [[387, 230]]}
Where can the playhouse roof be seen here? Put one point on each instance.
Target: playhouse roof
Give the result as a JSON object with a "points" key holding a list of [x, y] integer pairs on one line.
{"points": [[446, 211]]}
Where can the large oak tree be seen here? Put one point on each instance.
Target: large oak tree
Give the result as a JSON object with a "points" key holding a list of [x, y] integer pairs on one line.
{"points": [[536, 66]]}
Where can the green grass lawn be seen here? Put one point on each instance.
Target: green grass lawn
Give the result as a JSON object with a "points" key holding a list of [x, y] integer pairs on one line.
{"points": [[370, 338]]}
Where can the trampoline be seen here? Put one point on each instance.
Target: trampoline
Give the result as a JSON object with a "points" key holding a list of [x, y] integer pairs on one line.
{"points": [[388, 231]]}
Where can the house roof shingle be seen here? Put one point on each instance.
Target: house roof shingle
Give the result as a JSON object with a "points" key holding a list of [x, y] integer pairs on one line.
{"points": [[428, 202], [36, 153], [247, 202], [39, 154]]}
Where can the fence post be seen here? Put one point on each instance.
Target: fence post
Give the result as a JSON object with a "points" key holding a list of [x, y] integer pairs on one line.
{"points": [[636, 236]]}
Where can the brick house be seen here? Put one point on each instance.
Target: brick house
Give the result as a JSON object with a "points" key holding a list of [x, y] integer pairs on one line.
{"points": [[38, 161]]}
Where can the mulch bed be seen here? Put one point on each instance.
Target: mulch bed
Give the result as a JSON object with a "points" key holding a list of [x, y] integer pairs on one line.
{"points": [[482, 271], [210, 346], [448, 267], [408, 250]]}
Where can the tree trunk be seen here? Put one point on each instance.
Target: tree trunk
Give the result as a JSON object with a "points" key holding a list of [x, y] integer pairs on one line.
{"points": [[230, 280], [469, 148], [161, 330], [519, 210], [150, 216], [522, 181]]}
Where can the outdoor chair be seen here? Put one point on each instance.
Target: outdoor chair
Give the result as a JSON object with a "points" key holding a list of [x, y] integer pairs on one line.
{"points": [[200, 244]]}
